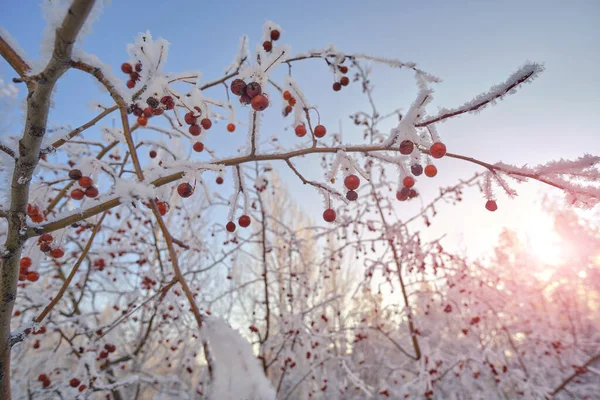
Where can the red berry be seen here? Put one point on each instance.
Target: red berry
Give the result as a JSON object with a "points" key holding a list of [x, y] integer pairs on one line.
{"points": [[352, 182], [37, 218], [320, 131], [231, 127], [230, 226], [168, 102], [126, 68], [206, 123], [25, 262], [402, 194], [416, 169], [408, 181], [137, 111], [194, 130], [430, 171], [85, 182], [491, 205], [275, 34], [343, 69], [131, 84], [142, 121], [134, 76], [344, 81], [92, 192], [74, 382], [287, 111], [406, 147], [245, 99], [185, 190], [437, 150], [46, 237], [287, 95], [152, 154], [75, 174], [329, 215], [46, 383], [83, 387], [300, 130], [244, 221], [268, 46], [163, 207], [57, 253], [292, 102], [198, 146], [337, 86], [138, 67], [42, 377], [158, 111], [45, 247], [259, 102], [32, 210], [352, 195], [253, 89], [238, 86], [190, 119], [77, 194], [412, 193], [148, 112], [219, 180]]}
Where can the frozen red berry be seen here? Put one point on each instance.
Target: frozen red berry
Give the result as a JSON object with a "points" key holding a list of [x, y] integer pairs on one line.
{"points": [[329, 215], [491, 205], [198, 147], [25, 262], [337, 86], [320, 131], [190, 119], [253, 89], [230, 226], [259, 102], [57, 253], [75, 174], [85, 182], [238, 86], [185, 190], [406, 147], [194, 130], [352, 195], [352, 182], [230, 127], [408, 181], [206, 123], [126, 68], [437, 150], [300, 130], [268, 45], [344, 81], [275, 34], [91, 192], [430, 171], [244, 221]]}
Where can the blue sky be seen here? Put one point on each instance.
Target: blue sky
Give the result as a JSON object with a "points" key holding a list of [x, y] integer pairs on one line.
{"points": [[471, 45]]}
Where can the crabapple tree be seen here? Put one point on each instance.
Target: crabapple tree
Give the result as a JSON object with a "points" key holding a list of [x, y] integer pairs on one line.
{"points": [[116, 282]]}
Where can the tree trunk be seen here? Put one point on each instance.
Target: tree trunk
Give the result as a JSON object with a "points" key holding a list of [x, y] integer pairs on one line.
{"points": [[38, 104]]}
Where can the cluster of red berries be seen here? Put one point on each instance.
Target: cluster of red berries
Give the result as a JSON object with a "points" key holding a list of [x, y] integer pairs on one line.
{"points": [[344, 80], [134, 76], [85, 182], [45, 380], [268, 44], [154, 107], [45, 243], [34, 213], [244, 221], [24, 273], [319, 130], [250, 94], [287, 96]]}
